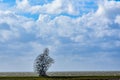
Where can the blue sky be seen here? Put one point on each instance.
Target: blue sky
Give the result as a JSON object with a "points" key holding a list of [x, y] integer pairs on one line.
{"points": [[82, 35]]}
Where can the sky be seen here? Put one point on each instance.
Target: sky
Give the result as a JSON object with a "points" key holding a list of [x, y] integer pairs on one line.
{"points": [[82, 35]]}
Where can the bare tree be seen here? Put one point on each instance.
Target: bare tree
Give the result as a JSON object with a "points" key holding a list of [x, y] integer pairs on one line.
{"points": [[43, 62]]}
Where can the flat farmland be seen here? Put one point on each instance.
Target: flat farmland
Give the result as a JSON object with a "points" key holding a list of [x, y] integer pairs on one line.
{"points": [[84, 75]]}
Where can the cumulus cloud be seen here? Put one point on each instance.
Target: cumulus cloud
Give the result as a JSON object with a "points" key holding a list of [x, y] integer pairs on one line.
{"points": [[117, 19], [84, 37], [70, 7]]}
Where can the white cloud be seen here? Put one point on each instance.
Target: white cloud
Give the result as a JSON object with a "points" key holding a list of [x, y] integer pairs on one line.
{"points": [[111, 6], [71, 7], [90, 33], [117, 20], [60, 6], [95, 25], [22, 4], [54, 7], [5, 35]]}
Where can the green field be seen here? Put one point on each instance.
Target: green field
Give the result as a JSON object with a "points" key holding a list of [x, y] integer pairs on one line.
{"points": [[94, 75], [64, 78]]}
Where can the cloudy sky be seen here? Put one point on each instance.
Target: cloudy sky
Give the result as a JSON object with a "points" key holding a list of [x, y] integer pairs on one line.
{"points": [[82, 35]]}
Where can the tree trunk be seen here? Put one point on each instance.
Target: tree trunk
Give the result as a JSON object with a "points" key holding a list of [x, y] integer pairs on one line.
{"points": [[42, 74]]}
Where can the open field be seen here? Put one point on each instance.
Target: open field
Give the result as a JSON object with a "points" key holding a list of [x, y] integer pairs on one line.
{"points": [[82, 73], [64, 78], [111, 75]]}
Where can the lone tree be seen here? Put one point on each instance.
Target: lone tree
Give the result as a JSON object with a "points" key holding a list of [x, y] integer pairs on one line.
{"points": [[43, 62]]}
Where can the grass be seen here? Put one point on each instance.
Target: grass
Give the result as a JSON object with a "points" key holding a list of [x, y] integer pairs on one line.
{"points": [[85, 75], [63, 78]]}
